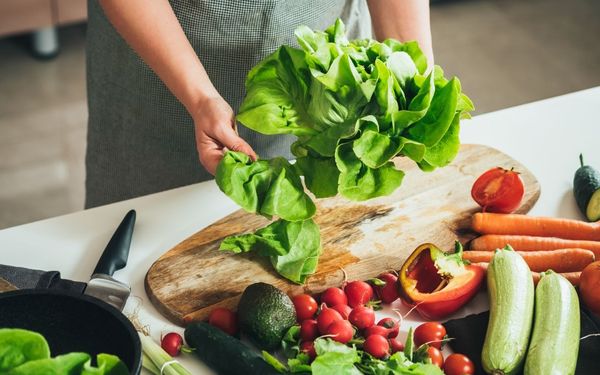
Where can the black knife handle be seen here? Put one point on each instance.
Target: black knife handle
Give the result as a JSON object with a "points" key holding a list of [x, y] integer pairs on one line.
{"points": [[116, 252]]}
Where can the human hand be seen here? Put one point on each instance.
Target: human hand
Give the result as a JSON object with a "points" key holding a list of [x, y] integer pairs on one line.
{"points": [[214, 123]]}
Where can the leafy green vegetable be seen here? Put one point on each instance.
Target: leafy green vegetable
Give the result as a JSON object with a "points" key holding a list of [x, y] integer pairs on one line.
{"points": [[354, 106], [293, 247], [334, 358], [269, 187], [18, 346]]}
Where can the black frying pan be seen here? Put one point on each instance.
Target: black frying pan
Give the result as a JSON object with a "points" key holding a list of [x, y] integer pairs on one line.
{"points": [[73, 322]]}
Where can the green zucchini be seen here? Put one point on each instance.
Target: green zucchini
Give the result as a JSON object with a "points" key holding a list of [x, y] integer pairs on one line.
{"points": [[510, 289], [555, 340], [224, 353], [586, 188]]}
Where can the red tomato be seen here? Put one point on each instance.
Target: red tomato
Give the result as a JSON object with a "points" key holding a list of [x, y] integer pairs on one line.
{"points": [[430, 333], [498, 190], [305, 305], [458, 364], [224, 319], [437, 358]]}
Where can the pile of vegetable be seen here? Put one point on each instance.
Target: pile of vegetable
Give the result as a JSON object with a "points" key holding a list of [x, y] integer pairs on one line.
{"points": [[354, 106], [24, 352]]}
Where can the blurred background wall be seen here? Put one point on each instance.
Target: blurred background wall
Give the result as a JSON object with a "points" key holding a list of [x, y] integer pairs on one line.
{"points": [[506, 52]]}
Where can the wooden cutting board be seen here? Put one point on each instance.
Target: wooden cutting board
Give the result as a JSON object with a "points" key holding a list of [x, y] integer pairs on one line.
{"points": [[363, 238]]}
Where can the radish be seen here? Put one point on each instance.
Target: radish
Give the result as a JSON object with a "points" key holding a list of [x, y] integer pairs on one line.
{"points": [[396, 345], [326, 317], [334, 296], [308, 347], [172, 343], [392, 325], [340, 331], [344, 310], [358, 293], [377, 346], [388, 292], [362, 317], [309, 330], [376, 330]]}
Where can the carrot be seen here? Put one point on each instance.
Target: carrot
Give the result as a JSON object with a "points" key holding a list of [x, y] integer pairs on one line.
{"points": [[531, 243], [573, 277], [489, 223], [563, 260]]}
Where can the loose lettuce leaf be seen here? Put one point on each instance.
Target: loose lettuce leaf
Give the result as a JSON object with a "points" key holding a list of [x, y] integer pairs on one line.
{"points": [[18, 346], [334, 358], [320, 175], [292, 246], [268, 187], [359, 182]]}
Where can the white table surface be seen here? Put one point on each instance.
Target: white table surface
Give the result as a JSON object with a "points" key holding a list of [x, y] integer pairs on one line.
{"points": [[546, 136]]}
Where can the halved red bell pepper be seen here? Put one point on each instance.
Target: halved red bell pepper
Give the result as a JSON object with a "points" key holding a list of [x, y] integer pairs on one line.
{"points": [[437, 283]]}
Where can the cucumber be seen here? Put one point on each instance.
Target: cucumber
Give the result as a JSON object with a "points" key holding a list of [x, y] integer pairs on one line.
{"points": [[510, 289], [586, 188], [555, 340], [223, 353]]}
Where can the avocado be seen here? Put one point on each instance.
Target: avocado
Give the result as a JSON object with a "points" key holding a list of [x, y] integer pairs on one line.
{"points": [[586, 188], [265, 313]]}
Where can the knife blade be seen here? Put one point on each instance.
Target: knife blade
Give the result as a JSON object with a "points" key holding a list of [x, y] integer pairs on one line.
{"points": [[114, 257]]}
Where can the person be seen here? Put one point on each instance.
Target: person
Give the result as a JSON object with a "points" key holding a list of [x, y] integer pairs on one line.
{"points": [[164, 80]]}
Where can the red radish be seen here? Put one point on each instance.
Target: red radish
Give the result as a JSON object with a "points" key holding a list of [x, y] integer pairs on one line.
{"points": [[224, 319], [376, 330], [392, 325], [340, 331], [326, 317], [377, 346], [358, 293], [387, 293], [305, 305], [172, 343], [308, 347], [396, 345], [334, 296], [309, 330], [362, 317], [344, 310]]}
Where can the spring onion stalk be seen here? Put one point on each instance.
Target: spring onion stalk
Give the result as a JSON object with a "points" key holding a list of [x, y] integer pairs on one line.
{"points": [[158, 358]]}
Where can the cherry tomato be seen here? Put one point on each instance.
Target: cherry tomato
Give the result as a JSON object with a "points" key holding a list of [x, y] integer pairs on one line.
{"points": [[437, 358], [308, 347], [305, 305], [309, 330], [498, 190], [458, 364], [358, 293], [431, 333], [171, 343], [334, 296], [377, 346], [224, 319]]}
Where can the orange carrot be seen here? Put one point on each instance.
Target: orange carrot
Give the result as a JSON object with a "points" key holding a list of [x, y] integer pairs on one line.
{"points": [[489, 223], [531, 243], [563, 260], [573, 277]]}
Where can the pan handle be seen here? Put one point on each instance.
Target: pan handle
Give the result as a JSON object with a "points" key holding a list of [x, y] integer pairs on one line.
{"points": [[116, 252]]}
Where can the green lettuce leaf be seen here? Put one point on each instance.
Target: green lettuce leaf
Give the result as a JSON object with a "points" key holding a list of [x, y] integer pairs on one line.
{"points": [[334, 358]]}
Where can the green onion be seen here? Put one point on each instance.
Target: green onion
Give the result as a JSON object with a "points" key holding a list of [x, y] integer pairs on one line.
{"points": [[154, 358]]}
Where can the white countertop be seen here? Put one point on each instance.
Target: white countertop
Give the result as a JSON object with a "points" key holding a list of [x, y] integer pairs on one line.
{"points": [[546, 136]]}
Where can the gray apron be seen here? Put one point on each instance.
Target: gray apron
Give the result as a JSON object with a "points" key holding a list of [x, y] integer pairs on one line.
{"points": [[140, 138]]}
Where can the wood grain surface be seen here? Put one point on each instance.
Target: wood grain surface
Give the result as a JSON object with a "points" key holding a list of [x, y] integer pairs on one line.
{"points": [[363, 238]]}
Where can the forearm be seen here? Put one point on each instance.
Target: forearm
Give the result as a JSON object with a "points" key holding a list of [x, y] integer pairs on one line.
{"points": [[153, 31], [403, 20]]}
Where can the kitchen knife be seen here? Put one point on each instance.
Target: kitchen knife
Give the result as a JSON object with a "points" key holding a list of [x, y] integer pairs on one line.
{"points": [[102, 285]]}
